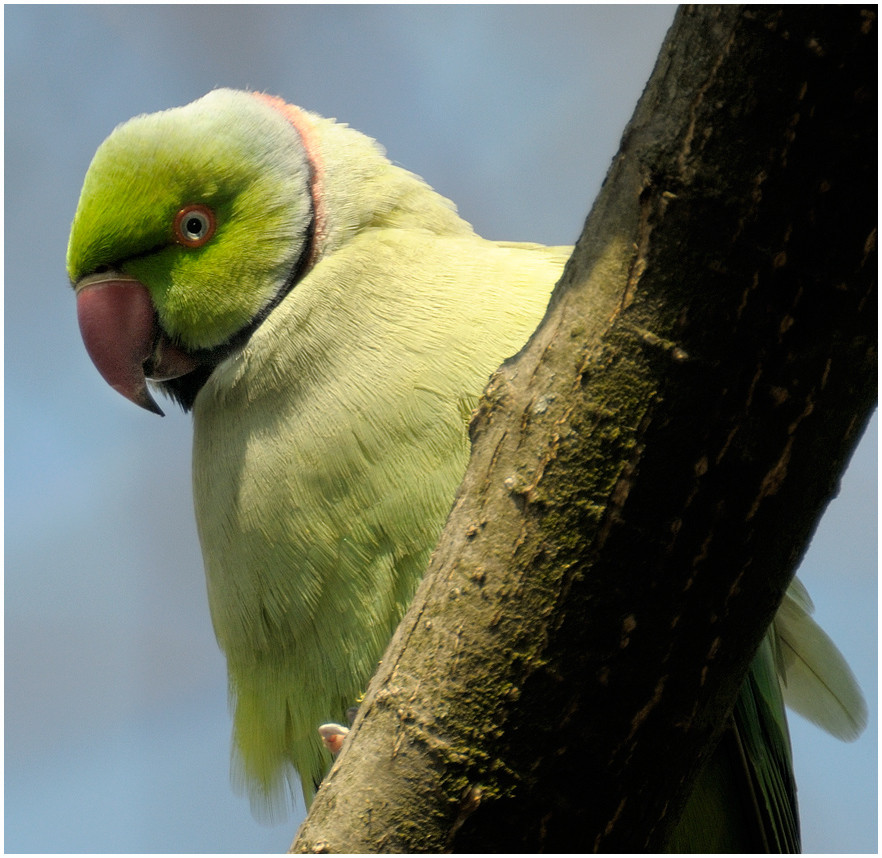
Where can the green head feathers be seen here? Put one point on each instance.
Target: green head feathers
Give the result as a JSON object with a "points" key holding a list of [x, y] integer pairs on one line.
{"points": [[235, 163]]}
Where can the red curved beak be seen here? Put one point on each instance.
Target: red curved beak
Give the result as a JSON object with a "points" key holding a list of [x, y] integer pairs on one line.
{"points": [[118, 325]]}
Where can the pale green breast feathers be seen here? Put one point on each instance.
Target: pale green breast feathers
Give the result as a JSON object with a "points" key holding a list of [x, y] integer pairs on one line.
{"points": [[330, 328]]}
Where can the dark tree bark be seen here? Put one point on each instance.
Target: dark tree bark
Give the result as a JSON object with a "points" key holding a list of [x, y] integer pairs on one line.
{"points": [[647, 473]]}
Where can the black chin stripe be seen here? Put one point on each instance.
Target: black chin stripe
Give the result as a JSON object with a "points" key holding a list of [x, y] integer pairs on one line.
{"points": [[184, 390]]}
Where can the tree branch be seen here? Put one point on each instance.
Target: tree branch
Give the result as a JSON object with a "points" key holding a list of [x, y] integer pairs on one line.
{"points": [[647, 473]]}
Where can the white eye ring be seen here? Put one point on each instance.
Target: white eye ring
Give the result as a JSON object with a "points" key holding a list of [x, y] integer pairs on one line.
{"points": [[194, 225]]}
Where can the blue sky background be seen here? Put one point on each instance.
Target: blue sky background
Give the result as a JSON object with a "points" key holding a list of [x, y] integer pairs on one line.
{"points": [[116, 722]]}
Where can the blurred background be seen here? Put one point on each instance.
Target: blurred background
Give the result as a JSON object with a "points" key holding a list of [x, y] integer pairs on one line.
{"points": [[116, 721]]}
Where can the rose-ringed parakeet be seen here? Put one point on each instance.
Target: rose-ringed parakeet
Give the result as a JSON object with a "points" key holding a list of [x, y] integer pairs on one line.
{"points": [[330, 321]]}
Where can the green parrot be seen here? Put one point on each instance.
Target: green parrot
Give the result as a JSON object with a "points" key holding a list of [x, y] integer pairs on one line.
{"points": [[330, 322]]}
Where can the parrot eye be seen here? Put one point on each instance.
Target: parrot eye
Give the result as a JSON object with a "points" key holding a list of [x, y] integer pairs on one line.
{"points": [[194, 225]]}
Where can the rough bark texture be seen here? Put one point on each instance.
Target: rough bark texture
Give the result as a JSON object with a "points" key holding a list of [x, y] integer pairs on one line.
{"points": [[647, 473]]}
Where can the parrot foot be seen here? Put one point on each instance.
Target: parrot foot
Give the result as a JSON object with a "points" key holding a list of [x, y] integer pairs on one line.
{"points": [[333, 736]]}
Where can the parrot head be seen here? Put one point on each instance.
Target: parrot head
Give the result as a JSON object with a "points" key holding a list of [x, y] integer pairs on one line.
{"points": [[192, 224]]}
